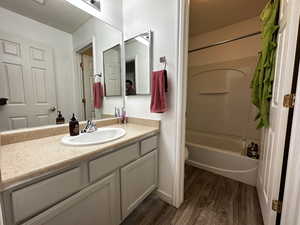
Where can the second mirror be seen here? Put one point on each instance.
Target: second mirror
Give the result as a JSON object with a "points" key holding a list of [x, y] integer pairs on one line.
{"points": [[138, 64]]}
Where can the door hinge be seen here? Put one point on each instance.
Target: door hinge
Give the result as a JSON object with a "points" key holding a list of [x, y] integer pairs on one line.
{"points": [[277, 206], [289, 101]]}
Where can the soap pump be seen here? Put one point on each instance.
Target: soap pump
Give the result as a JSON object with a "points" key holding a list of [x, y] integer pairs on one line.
{"points": [[74, 126], [60, 119]]}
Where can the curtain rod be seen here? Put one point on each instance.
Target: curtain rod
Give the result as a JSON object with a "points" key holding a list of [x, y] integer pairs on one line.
{"points": [[224, 42]]}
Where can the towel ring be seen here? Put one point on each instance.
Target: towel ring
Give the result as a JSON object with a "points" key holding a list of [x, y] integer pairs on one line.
{"points": [[163, 60]]}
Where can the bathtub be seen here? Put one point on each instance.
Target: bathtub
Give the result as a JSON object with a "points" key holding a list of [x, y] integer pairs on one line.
{"points": [[221, 155]]}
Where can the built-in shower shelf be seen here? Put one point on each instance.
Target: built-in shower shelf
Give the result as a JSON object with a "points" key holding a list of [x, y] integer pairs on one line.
{"points": [[219, 92]]}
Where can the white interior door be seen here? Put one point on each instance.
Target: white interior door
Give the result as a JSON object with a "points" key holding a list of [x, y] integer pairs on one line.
{"points": [[27, 79], [112, 72], [88, 76], [272, 149]]}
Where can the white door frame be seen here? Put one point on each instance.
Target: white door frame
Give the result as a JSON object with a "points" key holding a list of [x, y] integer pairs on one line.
{"points": [[182, 62], [78, 72], [291, 201]]}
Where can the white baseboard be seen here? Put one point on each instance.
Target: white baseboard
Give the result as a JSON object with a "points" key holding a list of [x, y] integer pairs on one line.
{"points": [[165, 197]]}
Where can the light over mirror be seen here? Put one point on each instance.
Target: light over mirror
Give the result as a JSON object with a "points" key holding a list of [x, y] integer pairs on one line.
{"points": [[51, 60], [138, 52]]}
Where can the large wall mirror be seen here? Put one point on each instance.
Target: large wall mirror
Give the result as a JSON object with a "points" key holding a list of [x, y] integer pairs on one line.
{"points": [[51, 59], [138, 52]]}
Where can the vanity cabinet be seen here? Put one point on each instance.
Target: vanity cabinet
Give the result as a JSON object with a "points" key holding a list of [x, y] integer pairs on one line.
{"points": [[102, 190]]}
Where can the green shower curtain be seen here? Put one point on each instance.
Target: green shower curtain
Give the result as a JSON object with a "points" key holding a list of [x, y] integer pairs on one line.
{"points": [[262, 83]]}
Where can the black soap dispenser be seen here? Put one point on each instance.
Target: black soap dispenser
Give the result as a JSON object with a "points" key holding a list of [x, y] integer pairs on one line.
{"points": [[60, 119], [74, 126]]}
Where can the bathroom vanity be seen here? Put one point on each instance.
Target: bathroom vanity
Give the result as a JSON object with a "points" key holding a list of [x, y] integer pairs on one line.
{"points": [[47, 183]]}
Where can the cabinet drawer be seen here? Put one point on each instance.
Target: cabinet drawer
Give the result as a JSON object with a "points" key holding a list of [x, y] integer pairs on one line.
{"points": [[148, 145], [35, 198], [102, 166]]}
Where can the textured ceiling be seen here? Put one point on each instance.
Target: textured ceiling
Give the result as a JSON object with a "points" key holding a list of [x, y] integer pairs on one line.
{"points": [[56, 13], [209, 15]]}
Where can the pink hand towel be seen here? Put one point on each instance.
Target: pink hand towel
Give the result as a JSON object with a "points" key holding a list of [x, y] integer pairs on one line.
{"points": [[98, 95], [158, 92]]}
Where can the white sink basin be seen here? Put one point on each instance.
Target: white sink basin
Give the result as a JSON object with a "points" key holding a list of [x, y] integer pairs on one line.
{"points": [[100, 136]]}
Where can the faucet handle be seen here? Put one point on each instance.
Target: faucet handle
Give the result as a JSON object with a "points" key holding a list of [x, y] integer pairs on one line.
{"points": [[90, 127], [93, 125]]}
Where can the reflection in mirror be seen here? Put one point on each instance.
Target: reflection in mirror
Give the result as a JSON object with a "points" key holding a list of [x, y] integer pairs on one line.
{"points": [[112, 71], [138, 64], [51, 58]]}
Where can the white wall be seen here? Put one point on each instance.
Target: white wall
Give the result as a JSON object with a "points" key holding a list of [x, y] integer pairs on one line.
{"points": [[161, 17], [111, 11], [231, 114], [226, 33], [105, 38], [62, 46]]}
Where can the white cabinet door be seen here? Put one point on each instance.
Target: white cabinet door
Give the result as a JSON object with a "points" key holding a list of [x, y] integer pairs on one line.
{"points": [[138, 180], [27, 79], [98, 204]]}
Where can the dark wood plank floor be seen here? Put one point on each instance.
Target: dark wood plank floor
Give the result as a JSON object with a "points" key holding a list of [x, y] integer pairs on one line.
{"points": [[209, 200]]}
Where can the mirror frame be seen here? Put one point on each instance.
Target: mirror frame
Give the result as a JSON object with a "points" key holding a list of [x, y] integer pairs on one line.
{"points": [[150, 34]]}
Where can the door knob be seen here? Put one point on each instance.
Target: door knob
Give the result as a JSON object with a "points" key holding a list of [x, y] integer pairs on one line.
{"points": [[52, 108]]}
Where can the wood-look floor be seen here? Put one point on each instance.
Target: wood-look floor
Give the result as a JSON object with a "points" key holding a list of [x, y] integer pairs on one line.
{"points": [[209, 200]]}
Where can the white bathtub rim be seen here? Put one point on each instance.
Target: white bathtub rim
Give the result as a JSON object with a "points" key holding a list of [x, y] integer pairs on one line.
{"points": [[192, 162], [223, 151], [250, 179]]}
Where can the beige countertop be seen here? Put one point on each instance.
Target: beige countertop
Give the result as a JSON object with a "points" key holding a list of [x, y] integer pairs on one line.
{"points": [[25, 160]]}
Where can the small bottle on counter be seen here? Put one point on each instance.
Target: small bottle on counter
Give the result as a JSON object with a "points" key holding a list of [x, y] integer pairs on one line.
{"points": [[124, 118], [74, 126], [60, 119], [252, 151]]}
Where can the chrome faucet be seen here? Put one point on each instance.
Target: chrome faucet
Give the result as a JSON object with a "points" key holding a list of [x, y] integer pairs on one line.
{"points": [[90, 127]]}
